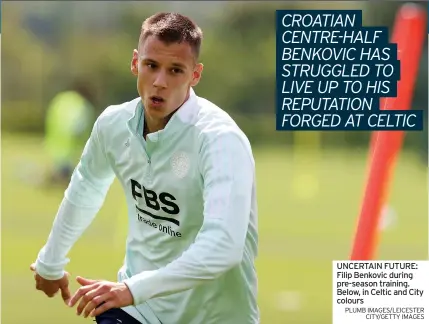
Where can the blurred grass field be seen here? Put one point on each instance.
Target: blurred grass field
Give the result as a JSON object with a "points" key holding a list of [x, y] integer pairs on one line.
{"points": [[298, 237]]}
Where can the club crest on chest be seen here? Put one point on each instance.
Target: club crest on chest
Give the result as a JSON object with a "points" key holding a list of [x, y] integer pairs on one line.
{"points": [[180, 164]]}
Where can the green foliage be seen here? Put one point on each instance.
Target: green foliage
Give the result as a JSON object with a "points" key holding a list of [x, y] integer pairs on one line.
{"points": [[238, 54]]}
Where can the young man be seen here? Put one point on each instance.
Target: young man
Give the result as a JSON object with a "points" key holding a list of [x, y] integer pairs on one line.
{"points": [[189, 178], [69, 118]]}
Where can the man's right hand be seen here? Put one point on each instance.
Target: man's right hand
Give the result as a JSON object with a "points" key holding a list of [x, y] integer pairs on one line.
{"points": [[51, 287]]}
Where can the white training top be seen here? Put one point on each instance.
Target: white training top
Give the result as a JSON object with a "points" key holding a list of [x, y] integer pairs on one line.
{"points": [[191, 196]]}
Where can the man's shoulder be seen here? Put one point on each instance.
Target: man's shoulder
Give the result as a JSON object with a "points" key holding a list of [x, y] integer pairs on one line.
{"points": [[212, 118], [117, 113], [214, 124]]}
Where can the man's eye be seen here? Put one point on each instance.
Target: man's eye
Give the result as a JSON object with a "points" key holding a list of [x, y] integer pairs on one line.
{"points": [[151, 65], [177, 71]]}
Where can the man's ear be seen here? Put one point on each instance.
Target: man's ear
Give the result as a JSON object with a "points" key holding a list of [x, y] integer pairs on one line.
{"points": [[135, 63], [196, 77]]}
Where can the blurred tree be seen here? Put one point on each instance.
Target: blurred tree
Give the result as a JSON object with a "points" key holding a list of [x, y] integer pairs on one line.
{"points": [[27, 63], [238, 53]]}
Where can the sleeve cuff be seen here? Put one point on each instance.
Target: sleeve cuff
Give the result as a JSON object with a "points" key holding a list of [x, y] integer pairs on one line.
{"points": [[142, 286], [49, 273]]}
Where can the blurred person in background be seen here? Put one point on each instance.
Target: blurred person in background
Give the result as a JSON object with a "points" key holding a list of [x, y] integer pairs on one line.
{"points": [[68, 123], [188, 174]]}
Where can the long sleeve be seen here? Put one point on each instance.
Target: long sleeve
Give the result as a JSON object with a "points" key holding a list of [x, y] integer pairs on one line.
{"points": [[227, 169], [82, 200]]}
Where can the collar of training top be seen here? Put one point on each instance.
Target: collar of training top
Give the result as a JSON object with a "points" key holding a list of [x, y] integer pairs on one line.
{"points": [[182, 118]]}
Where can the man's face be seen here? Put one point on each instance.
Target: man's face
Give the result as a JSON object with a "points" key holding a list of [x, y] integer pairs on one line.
{"points": [[165, 74]]}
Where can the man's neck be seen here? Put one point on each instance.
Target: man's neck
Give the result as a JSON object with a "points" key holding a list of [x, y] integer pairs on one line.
{"points": [[154, 125]]}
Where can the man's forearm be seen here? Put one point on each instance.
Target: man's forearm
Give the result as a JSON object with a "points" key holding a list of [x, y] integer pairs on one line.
{"points": [[215, 251], [69, 224]]}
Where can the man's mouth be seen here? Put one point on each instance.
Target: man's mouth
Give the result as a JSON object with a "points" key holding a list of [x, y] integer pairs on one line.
{"points": [[156, 99]]}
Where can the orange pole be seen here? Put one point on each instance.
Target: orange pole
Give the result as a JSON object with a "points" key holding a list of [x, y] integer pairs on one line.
{"points": [[409, 35]]}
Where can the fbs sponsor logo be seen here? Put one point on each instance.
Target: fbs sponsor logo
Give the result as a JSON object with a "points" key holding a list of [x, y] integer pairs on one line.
{"points": [[155, 202]]}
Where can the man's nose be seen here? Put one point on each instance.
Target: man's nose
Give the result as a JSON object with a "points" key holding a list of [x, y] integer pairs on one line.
{"points": [[160, 80]]}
